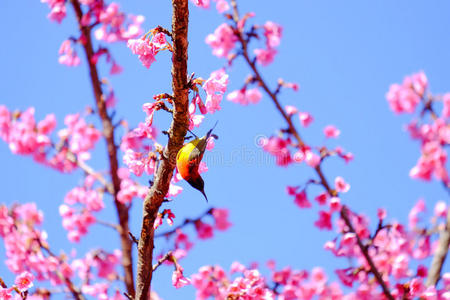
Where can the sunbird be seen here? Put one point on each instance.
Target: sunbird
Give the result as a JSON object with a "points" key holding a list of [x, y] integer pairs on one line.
{"points": [[189, 158]]}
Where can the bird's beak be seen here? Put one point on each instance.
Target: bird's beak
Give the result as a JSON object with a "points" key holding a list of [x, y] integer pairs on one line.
{"points": [[203, 192]]}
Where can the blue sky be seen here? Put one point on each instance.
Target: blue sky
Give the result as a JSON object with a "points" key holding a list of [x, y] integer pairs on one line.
{"points": [[343, 56]]}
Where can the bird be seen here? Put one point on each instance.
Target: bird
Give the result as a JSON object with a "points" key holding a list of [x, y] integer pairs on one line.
{"points": [[189, 158]]}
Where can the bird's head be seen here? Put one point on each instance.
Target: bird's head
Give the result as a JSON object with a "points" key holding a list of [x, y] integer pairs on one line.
{"points": [[198, 184]]}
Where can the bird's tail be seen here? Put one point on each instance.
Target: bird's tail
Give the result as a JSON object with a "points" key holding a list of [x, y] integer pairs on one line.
{"points": [[209, 133]]}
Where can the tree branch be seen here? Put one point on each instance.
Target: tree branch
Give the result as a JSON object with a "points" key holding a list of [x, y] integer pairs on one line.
{"points": [[167, 256], [301, 143], [108, 133], [177, 132], [434, 273], [76, 293], [186, 222], [365, 252], [89, 170]]}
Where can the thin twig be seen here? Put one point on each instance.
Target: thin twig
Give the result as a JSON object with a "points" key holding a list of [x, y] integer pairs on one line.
{"points": [[108, 224], [186, 222], [133, 238], [89, 170], [167, 256], [108, 133], [3, 284], [129, 297]]}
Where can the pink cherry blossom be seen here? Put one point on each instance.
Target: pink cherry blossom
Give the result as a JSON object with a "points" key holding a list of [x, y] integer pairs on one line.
{"points": [[57, 10], [245, 96], [414, 213], [221, 218], [215, 87], [68, 56], [404, 98], [204, 230], [324, 221], [335, 204], [24, 281], [331, 131], [138, 162], [440, 210], [381, 214], [81, 136], [182, 240], [291, 85], [174, 190], [301, 200], [291, 110], [305, 118], [291, 190], [265, 56], [340, 185], [272, 32], [6, 293], [322, 198], [115, 25], [201, 3], [144, 49], [279, 148], [115, 69], [312, 159], [253, 95], [178, 279], [222, 6], [222, 40], [419, 83]]}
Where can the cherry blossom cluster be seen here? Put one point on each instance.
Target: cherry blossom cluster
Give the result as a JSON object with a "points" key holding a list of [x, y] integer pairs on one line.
{"points": [[287, 152], [102, 266], [148, 46], [67, 54], [115, 25], [22, 133], [213, 281], [25, 136], [129, 189], [403, 98], [225, 36], [434, 135], [272, 33], [329, 204], [29, 256], [79, 207], [25, 244], [137, 145], [57, 10], [79, 136], [398, 253]]}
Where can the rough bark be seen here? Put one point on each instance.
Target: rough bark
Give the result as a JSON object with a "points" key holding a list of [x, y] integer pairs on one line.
{"points": [[176, 133]]}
